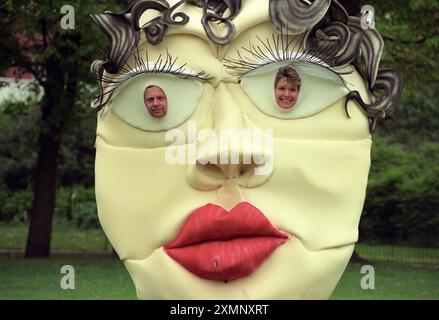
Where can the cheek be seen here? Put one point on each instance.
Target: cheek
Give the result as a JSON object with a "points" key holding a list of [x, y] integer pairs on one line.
{"points": [[303, 191], [142, 200]]}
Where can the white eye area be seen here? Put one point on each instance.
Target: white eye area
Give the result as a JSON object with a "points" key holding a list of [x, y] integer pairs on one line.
{"points": [[319, 88], [182, 96]]}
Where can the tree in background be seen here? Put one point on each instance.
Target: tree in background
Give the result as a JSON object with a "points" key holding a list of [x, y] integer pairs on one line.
{"points": [[410, 30], [33, 41], [402, 196]]}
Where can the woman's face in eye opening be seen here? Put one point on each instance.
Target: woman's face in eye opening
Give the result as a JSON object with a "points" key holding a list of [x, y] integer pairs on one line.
{"points": [[155, 101], [286, 92]]}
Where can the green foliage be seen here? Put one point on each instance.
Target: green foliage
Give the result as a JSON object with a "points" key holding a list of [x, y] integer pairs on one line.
{"points": [[76, 159], [18, 148], [416, 119], [411, 33], [76, 204], [22, 97], [14, 206], [18, 137], [402, 203], [410, 30]]}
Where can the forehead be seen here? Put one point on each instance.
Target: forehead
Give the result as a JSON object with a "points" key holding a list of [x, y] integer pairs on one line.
{"points": [[154, 91], [285, 81], [252, 13]]}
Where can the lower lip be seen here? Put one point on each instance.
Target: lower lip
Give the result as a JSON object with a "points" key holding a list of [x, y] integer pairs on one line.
{"points": [[286, 105], [225, 260]]}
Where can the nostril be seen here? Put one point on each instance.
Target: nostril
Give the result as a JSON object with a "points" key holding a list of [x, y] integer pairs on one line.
{"points": [[247, 169], [210, 170]]}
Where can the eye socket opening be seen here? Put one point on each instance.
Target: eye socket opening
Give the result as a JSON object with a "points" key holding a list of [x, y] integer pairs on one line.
{"points": [[157, 102], [301, 89]]}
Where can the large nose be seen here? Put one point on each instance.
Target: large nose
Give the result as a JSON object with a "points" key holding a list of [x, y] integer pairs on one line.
{"points": [[235, 152]]}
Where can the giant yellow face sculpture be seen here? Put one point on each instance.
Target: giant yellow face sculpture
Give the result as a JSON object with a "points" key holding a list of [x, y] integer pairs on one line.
{"points": [[198, 214]]}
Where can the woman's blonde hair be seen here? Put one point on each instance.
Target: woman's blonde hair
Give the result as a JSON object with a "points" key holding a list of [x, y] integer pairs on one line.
{"points": [[291, 75]]}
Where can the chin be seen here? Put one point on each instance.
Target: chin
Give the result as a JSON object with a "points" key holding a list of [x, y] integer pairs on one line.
{"points": [[286, 106], [292, 272]]}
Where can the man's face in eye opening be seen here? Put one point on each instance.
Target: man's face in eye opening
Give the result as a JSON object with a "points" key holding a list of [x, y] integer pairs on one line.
{"points": [[286, 93], [156, 101]]}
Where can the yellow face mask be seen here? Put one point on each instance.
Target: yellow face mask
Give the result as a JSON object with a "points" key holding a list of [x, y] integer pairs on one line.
{"points": [[188, 220]]}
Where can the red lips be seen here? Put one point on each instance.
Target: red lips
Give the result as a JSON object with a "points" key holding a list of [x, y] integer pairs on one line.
{"points": [[218, 245]]}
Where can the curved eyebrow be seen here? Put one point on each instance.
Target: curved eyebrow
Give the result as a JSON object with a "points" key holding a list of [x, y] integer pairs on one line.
{"points": [[123, 28]]}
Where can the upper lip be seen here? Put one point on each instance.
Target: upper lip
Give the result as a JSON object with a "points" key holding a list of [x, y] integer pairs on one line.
{"points": [[212, 222]]}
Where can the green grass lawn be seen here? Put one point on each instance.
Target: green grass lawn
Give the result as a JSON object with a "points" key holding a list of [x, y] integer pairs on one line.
{"points": [[103, 278], [65, 238], [107, 278], [392, 281], [411, 255]]}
